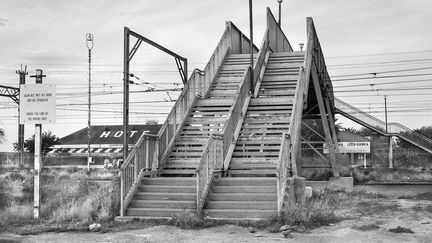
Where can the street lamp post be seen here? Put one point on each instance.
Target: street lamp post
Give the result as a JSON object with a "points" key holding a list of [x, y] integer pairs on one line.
{"points": [[280, 3], [251, 49], [89, 44]]}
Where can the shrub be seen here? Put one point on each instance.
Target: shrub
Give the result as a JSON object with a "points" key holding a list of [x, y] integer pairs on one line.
{"points": [[15, 177], [318, 210], [5, 198], [71, 169], [187, 220]]}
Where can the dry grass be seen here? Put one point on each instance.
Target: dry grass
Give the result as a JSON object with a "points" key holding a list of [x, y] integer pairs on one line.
{"points": [[318, 210], [362, 175], [62, 201]]}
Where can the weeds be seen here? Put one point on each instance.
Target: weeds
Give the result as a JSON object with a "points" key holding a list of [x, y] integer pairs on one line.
{"points": [[362, 175], [318, 210], [62, 202], [187, 220]]}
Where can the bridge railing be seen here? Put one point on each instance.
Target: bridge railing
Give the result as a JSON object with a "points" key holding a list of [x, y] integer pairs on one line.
{"points": [[379, 126], [284, 165], [232, 41], [277, 39], [139, 163], [211, 160]]}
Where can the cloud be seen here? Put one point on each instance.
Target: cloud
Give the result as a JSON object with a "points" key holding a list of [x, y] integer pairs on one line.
{"points": [[3, 22]]}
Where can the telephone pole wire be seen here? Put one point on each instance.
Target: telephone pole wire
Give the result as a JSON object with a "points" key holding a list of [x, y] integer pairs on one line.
{"points": [[89, 44]]}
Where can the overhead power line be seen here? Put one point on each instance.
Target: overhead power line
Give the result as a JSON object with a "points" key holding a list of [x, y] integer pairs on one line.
{"points": [[381, 72], [379, 77]]}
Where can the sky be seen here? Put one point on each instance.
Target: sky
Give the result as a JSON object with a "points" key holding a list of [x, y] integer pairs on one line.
{"points": [[387, 37]]}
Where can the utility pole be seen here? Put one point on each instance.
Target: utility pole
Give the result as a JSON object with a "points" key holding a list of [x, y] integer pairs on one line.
{"points": [[390, 138], [89, 43], [37, 155], [22, 76], [251, 46], [279, 22], [125, 93], [385, 110]]}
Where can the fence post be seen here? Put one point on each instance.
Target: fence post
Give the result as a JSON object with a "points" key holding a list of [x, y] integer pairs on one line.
{"points": [[136, 162], [121, 193]]}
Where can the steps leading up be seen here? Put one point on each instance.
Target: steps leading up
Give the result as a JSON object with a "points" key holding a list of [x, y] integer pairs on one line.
{"points": [[207, 117], [267, 118], [242, 198], [163, 197]]}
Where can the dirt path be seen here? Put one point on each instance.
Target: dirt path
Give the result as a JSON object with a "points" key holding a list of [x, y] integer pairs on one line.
{"points": [[371, 221]]}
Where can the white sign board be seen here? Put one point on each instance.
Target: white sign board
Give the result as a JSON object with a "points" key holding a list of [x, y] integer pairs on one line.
{"points": [[351, 147], [37, 103]]}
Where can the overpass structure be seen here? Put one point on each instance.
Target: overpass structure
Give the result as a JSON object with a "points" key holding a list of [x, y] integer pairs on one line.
{"points": [[232, 141]]}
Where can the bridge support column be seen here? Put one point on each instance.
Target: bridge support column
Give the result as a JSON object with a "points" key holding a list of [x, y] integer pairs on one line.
{"points": [[324, 119], [390, 152]]}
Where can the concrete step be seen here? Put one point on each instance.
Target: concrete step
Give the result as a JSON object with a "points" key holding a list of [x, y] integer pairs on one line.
{"points": [[242, 197], [244, 189], [154, 212], [252, 172], [239, 214], [179, 172], [179, 181], [229, 205], [248, 181], [173, 188], [162, 204], [164, 196]]}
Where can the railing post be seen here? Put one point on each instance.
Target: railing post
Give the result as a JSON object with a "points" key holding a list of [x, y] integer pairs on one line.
{"points": [[147, 164], [136, 167], [121, 193], [155, 164]]}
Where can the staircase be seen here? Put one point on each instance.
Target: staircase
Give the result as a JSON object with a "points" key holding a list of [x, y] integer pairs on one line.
{"points": [[267, 117], [250, 191], [375, 124], [176, 189], [163, 197], [251, 140], [242, 198], [208, 116]]}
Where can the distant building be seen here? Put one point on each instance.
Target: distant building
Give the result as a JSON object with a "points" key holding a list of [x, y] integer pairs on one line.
{"points": [[106, 140]]}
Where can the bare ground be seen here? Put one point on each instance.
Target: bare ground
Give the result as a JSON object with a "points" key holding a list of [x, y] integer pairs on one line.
{"points": [[368, 220]]}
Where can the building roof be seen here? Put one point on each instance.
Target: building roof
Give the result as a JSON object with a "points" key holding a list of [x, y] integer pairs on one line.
{"points": [[109, 134], [104, 139], [346, 136]]}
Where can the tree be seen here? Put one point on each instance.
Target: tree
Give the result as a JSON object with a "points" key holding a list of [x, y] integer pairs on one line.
{"points": [[48, 140], [2, 135]]}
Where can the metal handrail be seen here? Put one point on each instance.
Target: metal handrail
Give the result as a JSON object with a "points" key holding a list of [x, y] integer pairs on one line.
{"points": [[393, 129]]}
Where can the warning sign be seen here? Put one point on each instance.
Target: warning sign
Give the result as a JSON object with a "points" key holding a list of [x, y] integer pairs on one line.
{"points": [[37, 103]]}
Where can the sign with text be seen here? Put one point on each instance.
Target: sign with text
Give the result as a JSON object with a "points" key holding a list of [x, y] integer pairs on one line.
{"points": [[351, 147], [37, 103]]}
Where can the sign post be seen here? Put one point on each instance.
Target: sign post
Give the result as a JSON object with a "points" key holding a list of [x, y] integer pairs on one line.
{"points": [[37, 106]]}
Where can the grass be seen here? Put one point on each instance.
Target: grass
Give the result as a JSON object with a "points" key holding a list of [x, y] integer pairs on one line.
{"points": [[421, 196], [72, 204], [362, 175], [65, 204]]}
